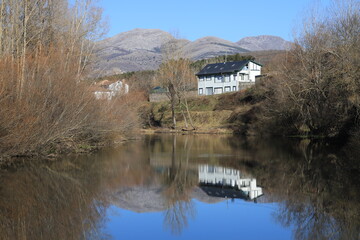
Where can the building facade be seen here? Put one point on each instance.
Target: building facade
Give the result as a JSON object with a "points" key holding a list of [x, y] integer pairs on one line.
{"points": [[220, 178], [224, 77], [107, 90]]}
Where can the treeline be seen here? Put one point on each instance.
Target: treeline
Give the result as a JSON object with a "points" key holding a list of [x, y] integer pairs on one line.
{"points": [[314, 89], [45, 48], [199, 64]]}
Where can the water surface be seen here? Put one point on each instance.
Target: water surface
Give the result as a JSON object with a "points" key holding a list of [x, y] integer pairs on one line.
{"points": [[187, 187]]}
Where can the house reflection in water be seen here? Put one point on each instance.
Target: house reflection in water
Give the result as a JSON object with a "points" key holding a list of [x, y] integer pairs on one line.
{"points": [[227, 183]]}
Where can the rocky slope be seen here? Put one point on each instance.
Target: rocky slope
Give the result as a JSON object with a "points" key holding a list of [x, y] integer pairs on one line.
{"points": [[264, 43], [139, 49], [209, 47]]}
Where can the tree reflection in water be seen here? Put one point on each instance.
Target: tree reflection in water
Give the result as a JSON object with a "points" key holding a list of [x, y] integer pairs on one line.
{"points": [[46, 202], [316, 185], [178, 183]]}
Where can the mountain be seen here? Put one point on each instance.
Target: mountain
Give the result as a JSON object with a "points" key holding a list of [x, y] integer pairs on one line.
{"points": [[209, 47], [142, 49], [138, 49], [264, 43]]}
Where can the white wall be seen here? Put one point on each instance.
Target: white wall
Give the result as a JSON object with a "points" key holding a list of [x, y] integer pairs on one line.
{"points": [[112, 90], [213, 84], [252, 70], [216, 175]]}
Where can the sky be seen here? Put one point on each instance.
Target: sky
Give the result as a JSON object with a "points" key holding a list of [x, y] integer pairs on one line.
{"points": [[194, 19]]}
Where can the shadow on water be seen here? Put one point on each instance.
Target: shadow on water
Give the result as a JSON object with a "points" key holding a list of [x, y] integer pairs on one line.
{"points": [[42, 201], [315, 184]]}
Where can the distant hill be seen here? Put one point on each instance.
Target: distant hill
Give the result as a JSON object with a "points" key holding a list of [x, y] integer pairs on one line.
{"points": [[141, 49], [209, 47], [264, 43]]}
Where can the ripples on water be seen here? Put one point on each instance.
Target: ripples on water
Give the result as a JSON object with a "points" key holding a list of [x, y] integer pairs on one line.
{"points": [[188, 187]]}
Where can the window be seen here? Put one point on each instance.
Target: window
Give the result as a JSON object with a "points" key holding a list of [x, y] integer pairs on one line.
{"points": [[255, 67], [246, 77], [227, 78], [227, 89], [218, 90], [235, 77], [209, 91], [208, 78], [201, 91], [201, 78], [218, 79], [234, 89]]}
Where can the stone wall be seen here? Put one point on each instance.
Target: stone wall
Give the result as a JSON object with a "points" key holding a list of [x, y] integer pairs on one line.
{"points": [[245, 85]]}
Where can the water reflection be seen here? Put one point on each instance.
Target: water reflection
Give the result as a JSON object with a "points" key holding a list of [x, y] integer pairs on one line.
{"points": [[39, 201], [227, 183], [314, 184]]}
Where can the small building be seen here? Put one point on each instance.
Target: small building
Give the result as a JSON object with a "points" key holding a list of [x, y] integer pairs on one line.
{"points": [[218, 78], [106, 90]]}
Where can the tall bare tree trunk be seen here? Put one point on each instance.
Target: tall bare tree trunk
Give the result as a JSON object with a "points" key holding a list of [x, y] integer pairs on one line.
{"points": [[24, 47], [2, 19]]}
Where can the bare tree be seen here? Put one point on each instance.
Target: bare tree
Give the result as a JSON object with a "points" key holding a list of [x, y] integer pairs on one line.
{"points": [[177, 76], [45, 48], [317, 90]]}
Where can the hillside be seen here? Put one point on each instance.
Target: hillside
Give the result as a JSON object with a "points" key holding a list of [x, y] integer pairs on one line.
{"points": [[264, 43], [139, 49], [209, 47]]}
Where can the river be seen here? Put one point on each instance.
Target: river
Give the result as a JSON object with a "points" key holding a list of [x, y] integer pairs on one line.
{"points": [[187, 187]]}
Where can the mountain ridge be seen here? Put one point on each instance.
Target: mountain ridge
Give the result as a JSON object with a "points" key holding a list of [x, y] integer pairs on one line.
{"points": [[142, 49]]}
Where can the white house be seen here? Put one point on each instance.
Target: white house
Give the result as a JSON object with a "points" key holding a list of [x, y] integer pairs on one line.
{"points": [[109, 90], [218, 78], [220, 178]]}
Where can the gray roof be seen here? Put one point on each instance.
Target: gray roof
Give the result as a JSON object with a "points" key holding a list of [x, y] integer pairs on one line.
{"points": [[226, 67]]}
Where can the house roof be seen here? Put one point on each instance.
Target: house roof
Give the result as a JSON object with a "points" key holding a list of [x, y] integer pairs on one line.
{"points": [[158, 89], [225, 192], [226, 67]]}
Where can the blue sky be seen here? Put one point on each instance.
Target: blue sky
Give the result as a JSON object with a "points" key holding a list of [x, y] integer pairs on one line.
{"points": [[193, 19]]}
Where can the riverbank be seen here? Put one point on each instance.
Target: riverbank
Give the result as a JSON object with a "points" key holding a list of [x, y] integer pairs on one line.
{"points": [[227, 113], [8, 161]]}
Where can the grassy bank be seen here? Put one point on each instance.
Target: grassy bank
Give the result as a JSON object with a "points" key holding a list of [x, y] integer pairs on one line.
{"points": [[225, 113]]}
